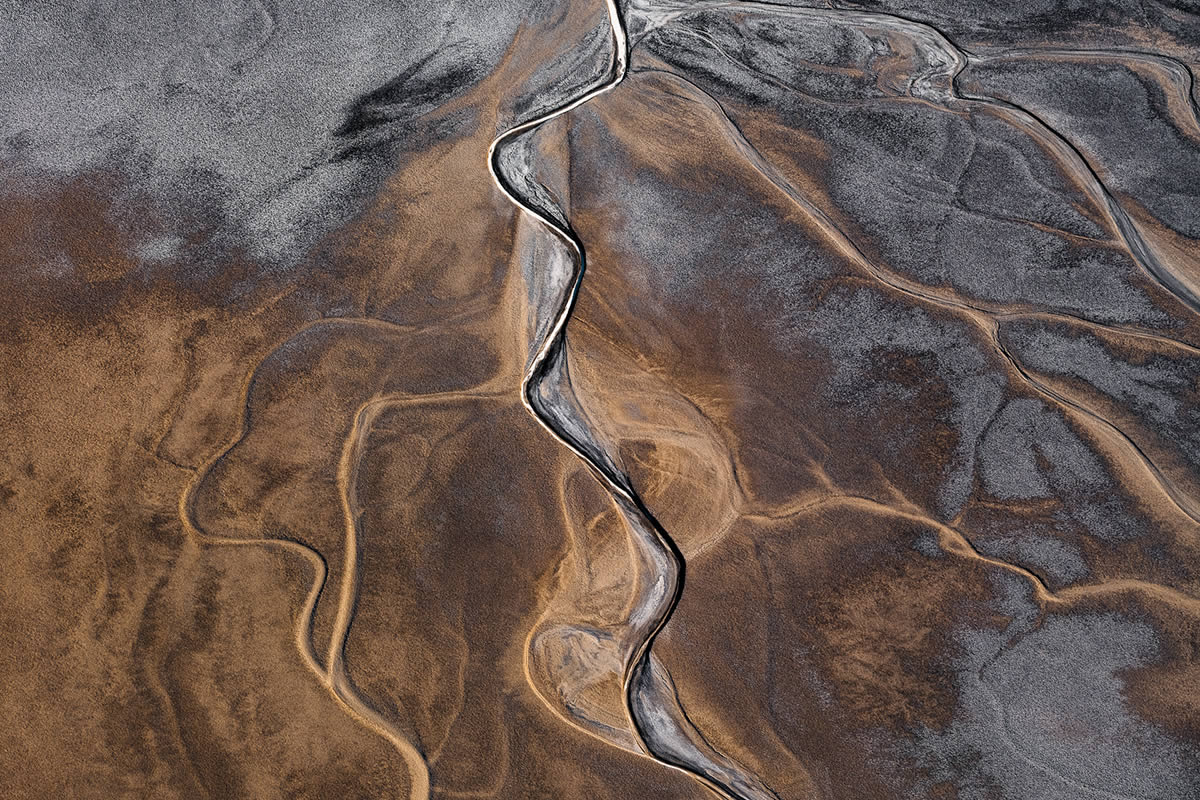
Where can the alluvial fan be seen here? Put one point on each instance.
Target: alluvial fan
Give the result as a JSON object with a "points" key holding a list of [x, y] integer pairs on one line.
{"points": [[605, 399]]}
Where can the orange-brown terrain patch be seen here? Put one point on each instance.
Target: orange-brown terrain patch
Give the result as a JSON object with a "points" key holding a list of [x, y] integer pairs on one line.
{"points": [[600, 399]]}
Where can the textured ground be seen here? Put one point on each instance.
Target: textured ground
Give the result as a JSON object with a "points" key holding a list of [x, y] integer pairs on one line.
{"points": [[862, 463]]}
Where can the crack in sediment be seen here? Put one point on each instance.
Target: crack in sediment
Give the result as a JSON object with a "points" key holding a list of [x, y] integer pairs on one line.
{"points": [[641, 677]]}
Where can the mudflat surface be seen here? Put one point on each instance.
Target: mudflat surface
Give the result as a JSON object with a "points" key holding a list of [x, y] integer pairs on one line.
{"points": [[751, 400]]}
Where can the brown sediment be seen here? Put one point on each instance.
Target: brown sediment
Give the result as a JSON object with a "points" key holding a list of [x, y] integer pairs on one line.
{"points": [[410, 514]]}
